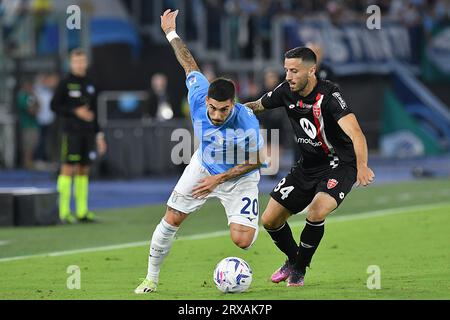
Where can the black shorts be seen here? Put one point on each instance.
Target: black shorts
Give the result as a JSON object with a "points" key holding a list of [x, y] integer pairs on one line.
{"points": [[78, 149], [296, 191]]}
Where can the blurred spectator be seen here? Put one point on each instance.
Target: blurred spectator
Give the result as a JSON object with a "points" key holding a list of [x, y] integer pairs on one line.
{"points": [[209, 71], [43, 90], [324, 71], [339, 13], [214, 9], [409, 14], [41, 10], [12, 14], [160, 104], [28, 108], [242, 23]]}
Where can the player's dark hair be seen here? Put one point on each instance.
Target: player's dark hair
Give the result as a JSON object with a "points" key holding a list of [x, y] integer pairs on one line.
{"points": [[304, 53], [221, 90]]}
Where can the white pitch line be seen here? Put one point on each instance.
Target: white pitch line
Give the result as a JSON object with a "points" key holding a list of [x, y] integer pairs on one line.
{"points": [[208, 235], [384, 212]]}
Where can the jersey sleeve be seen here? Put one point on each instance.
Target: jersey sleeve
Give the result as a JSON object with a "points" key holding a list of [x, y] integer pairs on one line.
{"points": [[273, 99], [337, 106], [197, 86]]}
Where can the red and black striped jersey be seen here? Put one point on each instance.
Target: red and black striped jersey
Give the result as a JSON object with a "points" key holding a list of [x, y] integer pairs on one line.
{"points": [[314, 118]]}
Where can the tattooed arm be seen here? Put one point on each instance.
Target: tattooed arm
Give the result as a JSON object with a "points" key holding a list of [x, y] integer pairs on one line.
{"points": [[184, 56], [238, 171], [256, 106]]}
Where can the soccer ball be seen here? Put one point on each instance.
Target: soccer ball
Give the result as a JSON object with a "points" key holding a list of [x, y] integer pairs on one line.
{"points": [[232, 275]]}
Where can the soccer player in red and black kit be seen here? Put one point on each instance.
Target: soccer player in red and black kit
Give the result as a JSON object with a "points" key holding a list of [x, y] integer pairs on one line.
{"points": [[333, 157], [74, 101]]}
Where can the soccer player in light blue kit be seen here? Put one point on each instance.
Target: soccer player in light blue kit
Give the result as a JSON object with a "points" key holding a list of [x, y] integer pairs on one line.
{"points": [[226, 164]]}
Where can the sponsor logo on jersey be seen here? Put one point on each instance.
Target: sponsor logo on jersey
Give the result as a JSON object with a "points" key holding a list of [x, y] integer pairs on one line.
{"points": [[331, 183], [302, 105], [308, 127], [309, 141], [341, 101]]}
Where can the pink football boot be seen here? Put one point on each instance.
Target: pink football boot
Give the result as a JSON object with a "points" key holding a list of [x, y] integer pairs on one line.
{"points": [[282, 273]]}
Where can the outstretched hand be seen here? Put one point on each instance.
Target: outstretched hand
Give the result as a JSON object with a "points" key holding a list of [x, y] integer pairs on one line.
{"points": [[168, 21]]}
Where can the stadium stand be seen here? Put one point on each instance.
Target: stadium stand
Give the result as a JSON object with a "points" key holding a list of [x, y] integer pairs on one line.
{"points": [[125, 43]]}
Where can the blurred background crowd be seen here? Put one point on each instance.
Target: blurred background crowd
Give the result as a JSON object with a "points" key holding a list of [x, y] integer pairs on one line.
{"points": [[395, 78]]}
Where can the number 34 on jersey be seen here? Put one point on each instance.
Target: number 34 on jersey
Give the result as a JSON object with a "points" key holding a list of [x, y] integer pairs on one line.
{"points": [[285, 191]]}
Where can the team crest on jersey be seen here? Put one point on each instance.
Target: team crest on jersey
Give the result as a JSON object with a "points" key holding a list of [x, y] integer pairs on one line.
{"points": [[175, 196], [317, 111], [331, 183], [192, 80]]}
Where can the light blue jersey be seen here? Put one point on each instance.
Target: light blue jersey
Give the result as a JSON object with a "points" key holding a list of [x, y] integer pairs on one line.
{"points": [[225, 146]]}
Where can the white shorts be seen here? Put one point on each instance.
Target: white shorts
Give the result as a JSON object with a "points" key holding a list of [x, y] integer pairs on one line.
{"points": [[238, 196]]}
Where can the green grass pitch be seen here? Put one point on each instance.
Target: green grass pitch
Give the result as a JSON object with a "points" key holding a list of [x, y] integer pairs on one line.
{"points": [[401, 228]]}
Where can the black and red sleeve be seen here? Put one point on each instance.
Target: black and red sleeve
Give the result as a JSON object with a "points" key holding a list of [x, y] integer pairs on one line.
{"points": [[274, 98]]}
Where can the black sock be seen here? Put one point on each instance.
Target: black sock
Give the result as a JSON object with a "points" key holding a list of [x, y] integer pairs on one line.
{"points": [[283, 239], [309, 241]]}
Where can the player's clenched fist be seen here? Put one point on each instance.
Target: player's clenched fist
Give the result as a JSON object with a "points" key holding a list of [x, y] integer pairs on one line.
{"points": [[168, 21], [365, 176]]}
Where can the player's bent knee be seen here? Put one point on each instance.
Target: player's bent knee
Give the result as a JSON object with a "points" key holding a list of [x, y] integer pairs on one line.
{"points": [[243, 243], [270, 223], [174, 217], [266, 221], [316, 215], [243, 237], [322, 205]]}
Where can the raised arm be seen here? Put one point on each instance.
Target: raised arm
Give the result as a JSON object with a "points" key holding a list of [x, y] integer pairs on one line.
{"points": [[184, 56]]}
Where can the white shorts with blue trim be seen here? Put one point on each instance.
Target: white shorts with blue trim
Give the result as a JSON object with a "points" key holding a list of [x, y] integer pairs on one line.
{"points": [[238, 196]]}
